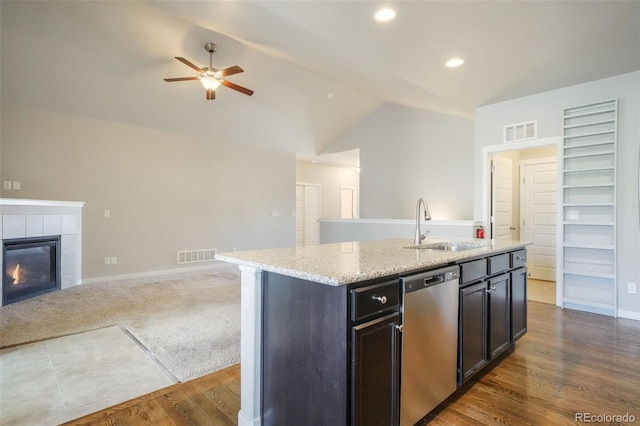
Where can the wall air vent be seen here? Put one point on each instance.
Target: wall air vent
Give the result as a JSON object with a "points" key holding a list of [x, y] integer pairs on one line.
{"points": [[196, 256], [521, 131]]}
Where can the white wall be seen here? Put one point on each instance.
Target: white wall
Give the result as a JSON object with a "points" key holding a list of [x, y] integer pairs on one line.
{"points": [[331, 180], [408, 153], [166, 191], [547, 108]]}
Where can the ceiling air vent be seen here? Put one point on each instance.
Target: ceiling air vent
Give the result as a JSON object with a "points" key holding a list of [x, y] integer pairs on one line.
{"points": [[520, 131]]}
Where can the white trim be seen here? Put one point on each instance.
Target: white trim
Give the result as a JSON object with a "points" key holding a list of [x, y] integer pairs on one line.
{"points": [[250, 413], [216, 265], [50, 203], [629, 314]]}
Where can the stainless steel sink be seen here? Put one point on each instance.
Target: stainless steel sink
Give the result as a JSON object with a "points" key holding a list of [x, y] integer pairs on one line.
{"points": [[449, 246]]}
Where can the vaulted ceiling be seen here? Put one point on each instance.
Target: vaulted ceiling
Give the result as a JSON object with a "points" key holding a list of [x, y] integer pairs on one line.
{"points": [[317, 67]]}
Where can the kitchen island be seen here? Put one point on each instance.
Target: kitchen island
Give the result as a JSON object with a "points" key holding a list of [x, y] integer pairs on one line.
{"points": [[309, 327]]}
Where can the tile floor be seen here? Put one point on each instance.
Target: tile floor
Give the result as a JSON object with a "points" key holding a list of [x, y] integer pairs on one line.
{"points": [[541, 291], [57, 380]]}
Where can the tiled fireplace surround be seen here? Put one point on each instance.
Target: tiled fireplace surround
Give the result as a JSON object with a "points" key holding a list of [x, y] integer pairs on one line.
{"points": [[38, 218]]}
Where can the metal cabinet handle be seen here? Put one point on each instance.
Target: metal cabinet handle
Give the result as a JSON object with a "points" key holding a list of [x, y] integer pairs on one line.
{"points": [[521, 258], [381, 299], [400, 328], [490, 289]]}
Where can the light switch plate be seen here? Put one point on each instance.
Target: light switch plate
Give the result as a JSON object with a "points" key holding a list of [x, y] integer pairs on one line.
{"points": [[7, 184], [16, 185]]}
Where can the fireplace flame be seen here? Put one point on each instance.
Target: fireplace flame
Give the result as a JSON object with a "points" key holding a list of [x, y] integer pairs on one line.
{"points": [[16, 274]]}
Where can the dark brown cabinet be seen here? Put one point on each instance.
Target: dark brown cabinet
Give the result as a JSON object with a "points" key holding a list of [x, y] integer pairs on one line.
{"points": [[493, 310], [499, 314], [375, 372], [472, 328], [518, 303]]}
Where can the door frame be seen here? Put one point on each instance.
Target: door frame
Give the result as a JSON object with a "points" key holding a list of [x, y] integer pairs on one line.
{"points": [[487, 151]]}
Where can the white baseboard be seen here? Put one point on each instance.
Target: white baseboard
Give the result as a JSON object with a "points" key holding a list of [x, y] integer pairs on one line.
{"points": [[208, 266], [629, 314]]}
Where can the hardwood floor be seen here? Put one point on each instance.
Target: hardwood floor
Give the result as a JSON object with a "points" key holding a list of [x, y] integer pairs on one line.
{"points": [[568, 363]]}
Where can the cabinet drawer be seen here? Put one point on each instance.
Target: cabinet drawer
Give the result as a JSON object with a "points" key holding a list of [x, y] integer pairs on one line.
{"points": [[518, 258], [374, 299], [473, 271], [498, 263]]}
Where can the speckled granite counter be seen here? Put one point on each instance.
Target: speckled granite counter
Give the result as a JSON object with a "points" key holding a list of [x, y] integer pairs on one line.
{"points": [[345, 263]]}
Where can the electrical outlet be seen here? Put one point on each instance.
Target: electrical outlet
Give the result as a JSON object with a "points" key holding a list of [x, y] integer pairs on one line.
{"points": [[7, 184], [107, 261], [107, 213], [114, 260], [16, 185], [632, 288]]}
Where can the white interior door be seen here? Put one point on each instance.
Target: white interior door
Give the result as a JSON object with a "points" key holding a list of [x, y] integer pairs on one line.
{"points": [[307, 214], [348, 202], [538, 209], [501, 198]]}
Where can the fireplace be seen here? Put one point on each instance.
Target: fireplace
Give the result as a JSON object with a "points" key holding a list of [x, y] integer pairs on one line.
{"points": [[31, 267]]}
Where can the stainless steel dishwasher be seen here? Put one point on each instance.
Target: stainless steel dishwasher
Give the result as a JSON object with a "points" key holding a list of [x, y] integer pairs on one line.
{"points": [[429, 341]]}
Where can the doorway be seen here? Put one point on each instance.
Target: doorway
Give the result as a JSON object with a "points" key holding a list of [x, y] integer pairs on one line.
{"points": [[307, 213], [533, 206], [348, 202]]}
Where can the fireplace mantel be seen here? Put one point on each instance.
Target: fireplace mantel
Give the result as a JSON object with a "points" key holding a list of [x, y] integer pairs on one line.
{"points": [[21, 218]]}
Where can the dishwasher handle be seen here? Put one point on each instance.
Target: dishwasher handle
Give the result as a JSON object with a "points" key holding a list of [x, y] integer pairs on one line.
{"points": [[436, 279]]}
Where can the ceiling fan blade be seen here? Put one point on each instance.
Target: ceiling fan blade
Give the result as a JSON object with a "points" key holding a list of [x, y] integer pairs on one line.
{"points": [[180, 79], [211, 94], [189, 64], [230, 71], [238, 88]]}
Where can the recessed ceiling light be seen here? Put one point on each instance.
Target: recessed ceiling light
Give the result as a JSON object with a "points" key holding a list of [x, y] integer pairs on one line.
{"points": [[455, 62], [384, 14]]}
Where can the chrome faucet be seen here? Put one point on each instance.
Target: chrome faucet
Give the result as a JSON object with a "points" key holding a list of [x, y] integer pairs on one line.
{"points": [[418, 237]]}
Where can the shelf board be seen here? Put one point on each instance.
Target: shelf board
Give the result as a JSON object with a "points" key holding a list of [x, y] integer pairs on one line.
{"points": [[597, 169], [593, 123], [588, 274], [603, 132], [595, 185], [589, 223], [591, 246], [588, 113], [588, 144], [595, 154], [588, 204]]}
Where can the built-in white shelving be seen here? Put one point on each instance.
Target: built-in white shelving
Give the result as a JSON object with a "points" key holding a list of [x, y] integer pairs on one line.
{"points": [[588, 259]]}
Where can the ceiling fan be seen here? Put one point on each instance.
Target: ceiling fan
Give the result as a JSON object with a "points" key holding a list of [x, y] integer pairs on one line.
{"points": [[210, 77]]}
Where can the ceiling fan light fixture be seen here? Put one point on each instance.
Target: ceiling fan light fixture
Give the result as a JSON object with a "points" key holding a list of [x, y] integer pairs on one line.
{"points": [[384, 14], [210, 82]]}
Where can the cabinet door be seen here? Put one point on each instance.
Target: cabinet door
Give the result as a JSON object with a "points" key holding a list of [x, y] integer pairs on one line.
{"points": [[499, 314], [375, 372], [518, 303], [473, 330]]}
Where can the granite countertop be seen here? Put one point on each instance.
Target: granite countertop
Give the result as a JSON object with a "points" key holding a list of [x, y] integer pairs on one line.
{"points": [[345, 263]]}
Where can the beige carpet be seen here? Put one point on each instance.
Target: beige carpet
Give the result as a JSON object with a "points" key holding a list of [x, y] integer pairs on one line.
{"points": [[190, 322]]}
